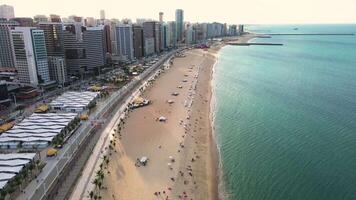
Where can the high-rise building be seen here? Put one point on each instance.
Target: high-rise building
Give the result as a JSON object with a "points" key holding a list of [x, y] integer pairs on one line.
{"points": [[149, 35], [57, 69], [113, 25], [40, 18], [107, 39], [90, 21], [166, 35], [241, 29], [75, 19], [55, 18], [84, 48], [215, 30], [138, 41], [140, 21], [161, 17], [179, 24], [31, 55], [232, 30], [158, 40], [102, 14], [7, 55], [54, 38], [162, 37], [7, 11], [172, 34], [189, 35], [24, 21], [124, 39], [225, 30], [53, 33], [200, 32]]}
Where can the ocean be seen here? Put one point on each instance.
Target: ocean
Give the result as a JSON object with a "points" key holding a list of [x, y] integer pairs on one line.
{"points": [[285, 116]]}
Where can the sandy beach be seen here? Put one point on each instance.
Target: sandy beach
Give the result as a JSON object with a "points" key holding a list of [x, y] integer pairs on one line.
{"points": [[186, 136]]}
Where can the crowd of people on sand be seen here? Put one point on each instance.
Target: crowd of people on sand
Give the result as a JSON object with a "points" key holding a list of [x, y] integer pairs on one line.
{"points": [[187, 172]]}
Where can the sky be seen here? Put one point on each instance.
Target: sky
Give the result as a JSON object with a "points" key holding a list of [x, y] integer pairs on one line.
{"points": [[229, 11]]}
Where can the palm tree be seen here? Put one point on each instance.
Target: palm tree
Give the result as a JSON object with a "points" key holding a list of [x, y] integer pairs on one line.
{"points": [[96, 182], [91, 194]]}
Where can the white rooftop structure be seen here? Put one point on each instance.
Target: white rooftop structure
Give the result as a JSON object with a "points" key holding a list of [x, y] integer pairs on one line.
{"points": [[38, 130], [12, 164], [73, 101]]}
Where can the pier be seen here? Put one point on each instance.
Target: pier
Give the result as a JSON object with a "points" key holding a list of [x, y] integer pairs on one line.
{"points": [[249, 44], [320, 34]]}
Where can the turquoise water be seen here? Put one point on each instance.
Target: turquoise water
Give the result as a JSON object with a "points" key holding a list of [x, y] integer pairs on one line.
{"points": [[285, 119]]}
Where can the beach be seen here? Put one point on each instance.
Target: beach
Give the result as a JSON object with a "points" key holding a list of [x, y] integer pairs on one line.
{"points": [[185, 136]]}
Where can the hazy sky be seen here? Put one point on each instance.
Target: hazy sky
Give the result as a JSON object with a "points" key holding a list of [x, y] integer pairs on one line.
{"points": [[230, 11]]}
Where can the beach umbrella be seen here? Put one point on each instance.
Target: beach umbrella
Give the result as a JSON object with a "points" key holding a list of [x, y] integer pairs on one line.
{"points": [[162, 119]]}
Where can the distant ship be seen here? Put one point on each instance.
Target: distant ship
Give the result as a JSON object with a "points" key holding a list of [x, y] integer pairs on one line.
{"points": [[295, 29]]}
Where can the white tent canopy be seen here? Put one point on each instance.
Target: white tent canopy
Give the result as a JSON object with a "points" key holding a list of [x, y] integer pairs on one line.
{"points": [[162, 119]]}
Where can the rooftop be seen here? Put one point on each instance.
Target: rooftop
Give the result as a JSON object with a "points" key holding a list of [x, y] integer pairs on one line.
{"points": [[38, 129], [12, 164], [75, 100]]}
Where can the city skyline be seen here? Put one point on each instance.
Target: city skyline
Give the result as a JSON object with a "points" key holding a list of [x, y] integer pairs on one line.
{"points": [[271, 12]]}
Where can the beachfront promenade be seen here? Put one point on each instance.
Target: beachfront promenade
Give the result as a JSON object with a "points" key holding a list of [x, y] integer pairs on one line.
{"points": [[39, 188]]}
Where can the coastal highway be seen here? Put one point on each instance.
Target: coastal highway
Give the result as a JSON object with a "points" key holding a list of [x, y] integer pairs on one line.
{"points": [[42, 186]]}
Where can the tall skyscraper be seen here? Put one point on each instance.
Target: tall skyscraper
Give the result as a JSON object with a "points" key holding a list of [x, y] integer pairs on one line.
{"points": [[7, 55], [53, 33], [138, 41], [113, 25], [172, 33], [241, 29], [31, 55], [124, 39], [158, 37], [102, 14], [54, 38], [107, 39], [149, 34], [7, 11], [161, 17], [189, 35], [179, 24], [166, 35], [57, 69], [84, 48]]}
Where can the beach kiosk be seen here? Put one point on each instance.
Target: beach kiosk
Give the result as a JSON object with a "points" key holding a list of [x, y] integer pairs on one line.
{"points": [[162, 119], [143, 160]]}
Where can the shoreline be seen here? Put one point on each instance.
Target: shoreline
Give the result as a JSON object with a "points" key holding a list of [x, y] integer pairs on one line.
{"points": [[217, 163]]}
